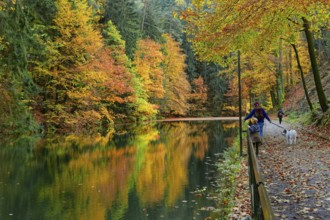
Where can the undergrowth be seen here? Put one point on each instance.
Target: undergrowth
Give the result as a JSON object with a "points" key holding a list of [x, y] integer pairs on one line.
{"points": [[228, 169], [315, 117]]}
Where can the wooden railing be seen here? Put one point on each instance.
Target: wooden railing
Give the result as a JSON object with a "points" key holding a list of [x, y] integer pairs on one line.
{"points": [[261, 207]]}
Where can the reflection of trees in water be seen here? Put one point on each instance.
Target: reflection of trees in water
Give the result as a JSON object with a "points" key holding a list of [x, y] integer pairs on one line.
{"points": [[91, 177], [150, 184], [164, 171], [187, 134], [96, 180], [70, 178], [178, 152], [221, 135]]}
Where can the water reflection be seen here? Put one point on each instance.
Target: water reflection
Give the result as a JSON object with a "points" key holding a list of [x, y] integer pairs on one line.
{"points": [[160, 171]]}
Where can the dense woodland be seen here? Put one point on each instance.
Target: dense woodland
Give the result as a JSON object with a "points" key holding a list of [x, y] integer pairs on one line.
{"points": [[78, 65]]}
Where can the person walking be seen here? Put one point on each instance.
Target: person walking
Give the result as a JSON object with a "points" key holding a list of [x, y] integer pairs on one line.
{"points": [[254, 130], [280, 115], [259, 113]]}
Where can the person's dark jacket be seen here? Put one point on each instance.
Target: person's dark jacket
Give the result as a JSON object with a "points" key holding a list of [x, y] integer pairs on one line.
{"points": [[259, 113], [280, 114]]}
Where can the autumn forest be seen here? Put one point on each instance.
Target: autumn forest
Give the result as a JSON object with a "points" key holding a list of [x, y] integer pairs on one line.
{"points": [[87, 65]]}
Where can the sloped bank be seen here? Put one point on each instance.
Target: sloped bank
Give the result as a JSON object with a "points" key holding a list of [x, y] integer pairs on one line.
{"points": [[233, 195]]}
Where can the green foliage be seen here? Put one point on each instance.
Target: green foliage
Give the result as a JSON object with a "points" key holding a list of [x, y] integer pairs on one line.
{"points": [[171, 23], [217, 88], [124, 15], [228, 169], [42, 12], [151, 20], [19, 49], [217, 83], [15, 115], [113, 37], [298, 117], [16, 33], [315, 117], [140, 107]]}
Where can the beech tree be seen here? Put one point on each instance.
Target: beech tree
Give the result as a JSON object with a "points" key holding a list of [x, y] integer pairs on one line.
{"points": [[317, 79], [220, 27], [148, 60], [140, 107], [75, 43], [198, 97], [177, 87]]}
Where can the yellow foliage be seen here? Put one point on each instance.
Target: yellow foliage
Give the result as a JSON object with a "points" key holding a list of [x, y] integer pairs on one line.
{"points": [[151, 185], [78, 40], [177, 86], [148, 59]]}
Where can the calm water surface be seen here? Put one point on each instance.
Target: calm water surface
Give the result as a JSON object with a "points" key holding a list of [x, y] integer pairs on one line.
{"points": [[160, 171]]}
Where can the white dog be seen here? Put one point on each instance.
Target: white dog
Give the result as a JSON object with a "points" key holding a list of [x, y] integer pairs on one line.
{"points": [[291, 136]]}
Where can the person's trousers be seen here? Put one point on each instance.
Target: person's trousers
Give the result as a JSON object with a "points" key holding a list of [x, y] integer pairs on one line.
{"points": [[261, 126]]}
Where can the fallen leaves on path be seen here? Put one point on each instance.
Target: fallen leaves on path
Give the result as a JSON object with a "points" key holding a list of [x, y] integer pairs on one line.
{"points": [[242, 200], [297, 176]]}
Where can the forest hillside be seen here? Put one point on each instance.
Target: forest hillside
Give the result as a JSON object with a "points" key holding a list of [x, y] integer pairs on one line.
{"points": [[84, 66], [295, 98]]}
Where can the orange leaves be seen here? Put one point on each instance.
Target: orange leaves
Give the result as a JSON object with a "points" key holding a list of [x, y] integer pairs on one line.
{"points": [[218, 28], [110, 81], [85, 79], [95, 89], [201, 88], [199, 95]]}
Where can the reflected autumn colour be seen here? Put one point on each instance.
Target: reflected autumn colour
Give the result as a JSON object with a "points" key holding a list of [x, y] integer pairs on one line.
{"points": [[150, 183], [115, 176]]}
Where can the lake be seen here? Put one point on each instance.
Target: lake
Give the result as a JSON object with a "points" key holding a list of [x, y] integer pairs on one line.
{"points": [[164, 170]]}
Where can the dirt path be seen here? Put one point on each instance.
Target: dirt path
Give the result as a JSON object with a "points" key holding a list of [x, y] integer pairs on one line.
{"points": [[297, 176]]}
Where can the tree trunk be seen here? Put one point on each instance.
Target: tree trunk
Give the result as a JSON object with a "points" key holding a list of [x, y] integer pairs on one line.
{"points": [[316, 73], [143, 15], [273, 97], [279, 77], [287, 68], [240, 102], [290, 63], [302, 77], [280, 69]]}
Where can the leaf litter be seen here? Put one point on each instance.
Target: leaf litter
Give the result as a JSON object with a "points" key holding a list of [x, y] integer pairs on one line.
{"points": [[296, 176]]}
